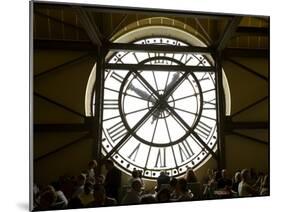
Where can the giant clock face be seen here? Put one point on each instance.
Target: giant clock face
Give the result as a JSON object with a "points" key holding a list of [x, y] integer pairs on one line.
{"points": [[159, 120]]}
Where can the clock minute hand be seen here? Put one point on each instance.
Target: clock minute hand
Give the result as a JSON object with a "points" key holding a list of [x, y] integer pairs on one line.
{"points": [[142, 93], [176, 76], [174, 80]]}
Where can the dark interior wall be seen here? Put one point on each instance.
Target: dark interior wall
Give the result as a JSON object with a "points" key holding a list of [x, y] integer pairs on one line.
{"points": [[247, 88], [244, 153], [67, 86], [68, 161]]}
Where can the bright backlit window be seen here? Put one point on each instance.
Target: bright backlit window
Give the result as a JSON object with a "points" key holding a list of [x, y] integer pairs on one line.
{"points": [[159, 120]]}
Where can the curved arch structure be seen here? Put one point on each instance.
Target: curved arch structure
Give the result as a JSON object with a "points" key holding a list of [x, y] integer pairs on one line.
{"points": [[148, 31], [157, 31]]}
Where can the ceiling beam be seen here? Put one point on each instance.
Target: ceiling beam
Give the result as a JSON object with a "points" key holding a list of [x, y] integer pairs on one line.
{"points": [[72, 45], [244, 52], [145, 67], [159, 12], [252, 31], [133, 10], [234, 125], [158, 48], [89, 25], [250, 138], [87, 45], [80, 127], [229, 31], [87, 125]]}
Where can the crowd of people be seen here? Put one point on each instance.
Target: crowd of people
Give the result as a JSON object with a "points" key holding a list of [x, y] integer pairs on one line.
{"points": [[244, 183], [90, 189]]}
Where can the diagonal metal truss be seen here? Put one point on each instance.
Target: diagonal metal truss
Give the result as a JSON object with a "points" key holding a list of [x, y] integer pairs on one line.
{"points": [[116, 28], [228, 33], [246, 68], [206, 34], [59, 21], [95, 36], [89, 25], [56, 68], [84, 137], [249, 138], [59, 105], [249, 106]]}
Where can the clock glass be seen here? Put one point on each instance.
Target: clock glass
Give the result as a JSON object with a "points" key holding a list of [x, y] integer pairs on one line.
{"points": [[156, 120]]}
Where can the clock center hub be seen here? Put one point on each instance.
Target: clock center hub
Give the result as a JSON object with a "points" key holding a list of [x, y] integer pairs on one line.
{"points": [[162, 111]]}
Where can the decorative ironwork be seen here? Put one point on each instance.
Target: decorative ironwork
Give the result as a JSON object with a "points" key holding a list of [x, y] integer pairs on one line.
{"points": [[161, 118]]}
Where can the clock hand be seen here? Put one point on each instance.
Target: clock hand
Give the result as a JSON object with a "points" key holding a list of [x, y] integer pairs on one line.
{"points": [[168, 91], [155, 116], [142, 93], [173, 86], [147, 97], [175, 82], [176, 76]]}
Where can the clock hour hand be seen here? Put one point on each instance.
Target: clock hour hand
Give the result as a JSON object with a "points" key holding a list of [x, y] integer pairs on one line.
{"points": [[143, 94], [157, 113], [147, 97], [155, 116]]}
